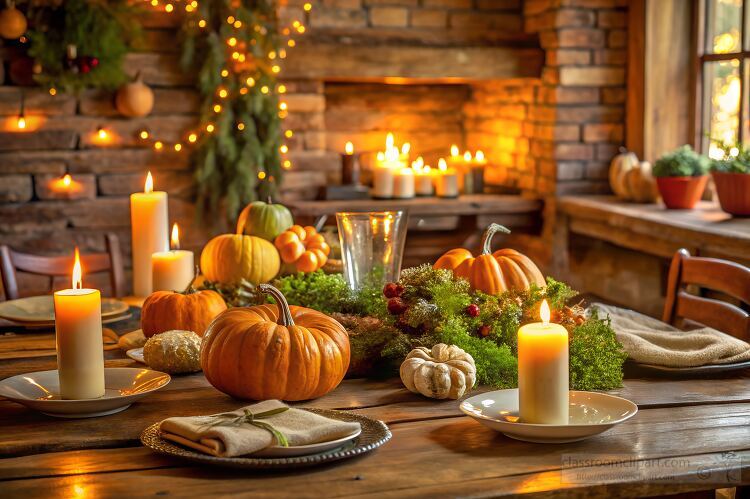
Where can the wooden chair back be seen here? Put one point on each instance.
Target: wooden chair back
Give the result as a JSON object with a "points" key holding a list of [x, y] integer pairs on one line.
{"points": [[726, 277], [58, 266]]}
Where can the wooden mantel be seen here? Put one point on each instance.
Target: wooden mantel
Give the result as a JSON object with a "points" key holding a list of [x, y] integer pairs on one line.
{"points": [[651, 229]]}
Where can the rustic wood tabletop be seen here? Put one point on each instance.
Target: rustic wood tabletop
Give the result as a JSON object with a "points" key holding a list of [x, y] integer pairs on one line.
{"points": [[696, 431]]}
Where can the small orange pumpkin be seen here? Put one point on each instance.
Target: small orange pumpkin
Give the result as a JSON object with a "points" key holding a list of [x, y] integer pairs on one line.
{"points": [[188, 311], [275, 351], [492, 273], [304, 247]]}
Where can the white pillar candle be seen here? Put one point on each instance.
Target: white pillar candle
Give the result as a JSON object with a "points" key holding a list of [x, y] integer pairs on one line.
{"points": [[149, 225], [173, 270], [382, 182], [424, 182], [403, 184], [446, 181], [78, 334], [543, 371]]}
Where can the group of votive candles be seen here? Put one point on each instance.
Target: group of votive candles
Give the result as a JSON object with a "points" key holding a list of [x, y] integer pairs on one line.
{"points": [[394, 177], [78, 319]]}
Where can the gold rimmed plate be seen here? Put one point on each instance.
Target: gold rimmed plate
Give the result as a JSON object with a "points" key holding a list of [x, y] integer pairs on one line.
{"points": [[40, 310], [123, 386], [374, 434]]}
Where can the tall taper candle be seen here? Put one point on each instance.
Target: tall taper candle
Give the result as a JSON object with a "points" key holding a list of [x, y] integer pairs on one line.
{"points": [[78, 334], [543, 371], [149, 225]]}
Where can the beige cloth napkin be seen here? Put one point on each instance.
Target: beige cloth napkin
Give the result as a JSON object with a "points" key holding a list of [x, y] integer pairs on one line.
{"points": [[298, 426], [651, 341]]}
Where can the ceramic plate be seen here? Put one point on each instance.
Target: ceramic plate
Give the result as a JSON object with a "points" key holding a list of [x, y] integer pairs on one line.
{"points": [[374, 434], [136, 354], [123, 385], [41, 309], [590, 413], [306, 450]]}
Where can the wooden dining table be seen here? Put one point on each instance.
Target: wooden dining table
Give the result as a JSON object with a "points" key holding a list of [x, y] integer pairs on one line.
{"points": [[689, 435]]}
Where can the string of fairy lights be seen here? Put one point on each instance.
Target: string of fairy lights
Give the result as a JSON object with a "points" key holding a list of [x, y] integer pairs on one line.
{"points": [[288, 33]]}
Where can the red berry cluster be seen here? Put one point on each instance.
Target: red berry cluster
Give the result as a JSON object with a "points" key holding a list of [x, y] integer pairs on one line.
{"points": [[396, 305], [86, 63]]}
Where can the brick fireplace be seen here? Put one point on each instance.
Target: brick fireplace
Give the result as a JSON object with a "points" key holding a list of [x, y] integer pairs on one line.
{"points": [[538, 85]]}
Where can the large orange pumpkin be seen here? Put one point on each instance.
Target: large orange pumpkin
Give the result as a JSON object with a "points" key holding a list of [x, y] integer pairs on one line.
{"points": [[229, 258], [492, 273], [188, 311], [304, 247], [275, 351]]}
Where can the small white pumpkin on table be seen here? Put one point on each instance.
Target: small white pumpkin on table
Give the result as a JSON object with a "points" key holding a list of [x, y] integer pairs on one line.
{"points": [[444, 371]]}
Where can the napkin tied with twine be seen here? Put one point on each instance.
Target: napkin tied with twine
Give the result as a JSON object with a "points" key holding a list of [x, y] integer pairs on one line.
{"points": [[253, 428], [651, 341]]}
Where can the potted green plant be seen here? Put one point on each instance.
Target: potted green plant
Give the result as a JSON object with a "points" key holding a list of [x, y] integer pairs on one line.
{"points": [[681, 176], [732, 178]]}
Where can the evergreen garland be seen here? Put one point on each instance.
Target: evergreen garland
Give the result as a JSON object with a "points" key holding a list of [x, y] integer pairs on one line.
{"points": [[231, 45], [100, 30]]}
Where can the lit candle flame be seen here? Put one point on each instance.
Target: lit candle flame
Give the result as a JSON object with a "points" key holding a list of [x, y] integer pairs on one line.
{"points": [[405, 148], [102, 133], [544, 312], [77, 272], [349, 148], [389, 140], [479, 156], [66, 180], [467, 156], [175, 239], [442, 164], [454, 150], [149, 186], [21, 123]]}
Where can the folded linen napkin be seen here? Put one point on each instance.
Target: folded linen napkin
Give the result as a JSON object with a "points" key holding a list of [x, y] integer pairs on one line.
{"points": [[222, 435], [650, 341]]}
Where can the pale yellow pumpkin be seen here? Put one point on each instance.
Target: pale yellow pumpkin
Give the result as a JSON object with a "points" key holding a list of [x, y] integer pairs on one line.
{"points": [[639, 184], [618, 168], [229, 258]]}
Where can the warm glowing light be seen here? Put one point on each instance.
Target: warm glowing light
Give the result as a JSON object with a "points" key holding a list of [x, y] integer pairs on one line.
{"points": [[307, 7], [189, 8], [291, 43], [169, 7], [224, 73], [301, 29], [454, 150], [282, 106], [288, 134], [144, 134], [261, 175], [276, 69], [178, 147], [284, 149], [544, 312], [235, 55], [202, 23], [467, 156], [250, 81], [282, 54], [149, 185], [442, 165], [210, 128], [232, 42], [158, 145], [174, 240], [154, 3], [238, 24], [192, 138], [21, 122], [217, 108], [66, 180], [243, 91], [389, 141], [223, 93], [264, 89], [77, 280], [230, 20], [272, 55], [296, 24], [282, 89], [479, 156], [240, 126], [102, 133], [53, 91], [405, 148], [349, 148]]}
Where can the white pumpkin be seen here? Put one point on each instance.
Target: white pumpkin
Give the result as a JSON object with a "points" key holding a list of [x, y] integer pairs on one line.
{"points": [[441, 372], [640, 184], [618, 168]]}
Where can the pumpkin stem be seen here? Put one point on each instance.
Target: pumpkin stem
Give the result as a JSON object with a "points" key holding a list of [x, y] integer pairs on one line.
{"points": [[488, 234], [190, 289], [285, 315]]}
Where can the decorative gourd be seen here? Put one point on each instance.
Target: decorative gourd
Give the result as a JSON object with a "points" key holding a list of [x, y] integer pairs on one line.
{"points": [[304, 247], [275, 351], [229, 258], [492, 273], [13, 23], [134, 99], [173, 352], [618, 168], [265, 220], [639, 185], [439, 373], [187, 311]]}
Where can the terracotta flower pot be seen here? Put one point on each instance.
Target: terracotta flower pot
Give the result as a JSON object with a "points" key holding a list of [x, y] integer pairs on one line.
{"points": [[681, 193], [734, 192]]}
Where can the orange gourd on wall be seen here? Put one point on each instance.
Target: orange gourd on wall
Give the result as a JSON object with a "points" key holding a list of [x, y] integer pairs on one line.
{"points": [[275, 351], [492, 273]]}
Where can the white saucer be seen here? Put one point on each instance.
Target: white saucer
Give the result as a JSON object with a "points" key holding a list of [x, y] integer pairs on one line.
{"points": [[307, 450], [123, 386], [590, 413]]}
